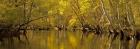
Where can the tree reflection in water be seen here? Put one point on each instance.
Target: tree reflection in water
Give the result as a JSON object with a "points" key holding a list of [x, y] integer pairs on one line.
{"points": [[60, 40]]}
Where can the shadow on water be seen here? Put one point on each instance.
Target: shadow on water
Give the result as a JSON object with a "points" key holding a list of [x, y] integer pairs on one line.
{"points": [[54, 39]]}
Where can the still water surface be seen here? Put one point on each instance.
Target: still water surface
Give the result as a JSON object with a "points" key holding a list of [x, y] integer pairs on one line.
{"points": [[60, 40]]}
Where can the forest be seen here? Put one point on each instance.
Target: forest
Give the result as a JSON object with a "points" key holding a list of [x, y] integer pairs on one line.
{"points": [[69, 24]]}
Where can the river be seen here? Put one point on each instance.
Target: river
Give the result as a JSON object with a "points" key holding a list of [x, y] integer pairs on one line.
{"points": [[54, 39]]}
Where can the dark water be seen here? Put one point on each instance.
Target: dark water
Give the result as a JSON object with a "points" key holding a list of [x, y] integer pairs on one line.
{"points": [[61, 40]]}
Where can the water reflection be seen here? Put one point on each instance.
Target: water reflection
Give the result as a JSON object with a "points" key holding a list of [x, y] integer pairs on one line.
{"points": [[60, 40]]}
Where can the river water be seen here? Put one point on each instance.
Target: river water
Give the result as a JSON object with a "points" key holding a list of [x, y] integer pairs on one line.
{"points": [[54, 39]]}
